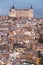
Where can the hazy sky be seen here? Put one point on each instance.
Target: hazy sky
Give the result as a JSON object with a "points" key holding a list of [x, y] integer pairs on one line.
{"points": [[5, 5]]}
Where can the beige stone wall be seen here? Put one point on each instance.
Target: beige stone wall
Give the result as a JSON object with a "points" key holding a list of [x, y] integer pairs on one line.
{"points": [[31, 13], [12, 13], [21, 13]]}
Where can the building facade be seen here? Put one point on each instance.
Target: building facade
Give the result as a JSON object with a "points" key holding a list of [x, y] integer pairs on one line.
{"points": [[21, 12]]}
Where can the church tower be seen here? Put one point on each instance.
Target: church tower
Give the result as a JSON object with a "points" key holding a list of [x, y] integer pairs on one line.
{"points": [[31, 12], [12, 12]]}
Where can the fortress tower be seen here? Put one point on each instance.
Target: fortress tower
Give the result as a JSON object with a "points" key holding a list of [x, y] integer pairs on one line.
{"points": [[31, 12], [12, 12], [21, 12]]}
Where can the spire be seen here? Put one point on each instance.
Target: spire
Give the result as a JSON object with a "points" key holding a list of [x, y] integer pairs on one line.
{"points": [[13, 7], [10, 9], [31, 7]]}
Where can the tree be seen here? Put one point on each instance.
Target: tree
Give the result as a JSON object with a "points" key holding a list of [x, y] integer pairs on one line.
{"points": [[40, 40], [39, 53]]}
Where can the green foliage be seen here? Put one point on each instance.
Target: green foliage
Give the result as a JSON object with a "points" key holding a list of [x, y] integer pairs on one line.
{"points": [[39, 53], [40, 56], [41, 61]]}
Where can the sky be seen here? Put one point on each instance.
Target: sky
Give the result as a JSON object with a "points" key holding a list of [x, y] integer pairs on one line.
{"points": [[5, 5]]}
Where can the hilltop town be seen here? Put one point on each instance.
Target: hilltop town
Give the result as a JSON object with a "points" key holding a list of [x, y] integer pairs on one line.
{"points": [[21, 38]]}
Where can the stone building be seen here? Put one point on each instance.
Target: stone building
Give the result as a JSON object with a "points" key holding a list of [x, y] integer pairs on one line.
{"points": [[21, 12]]}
